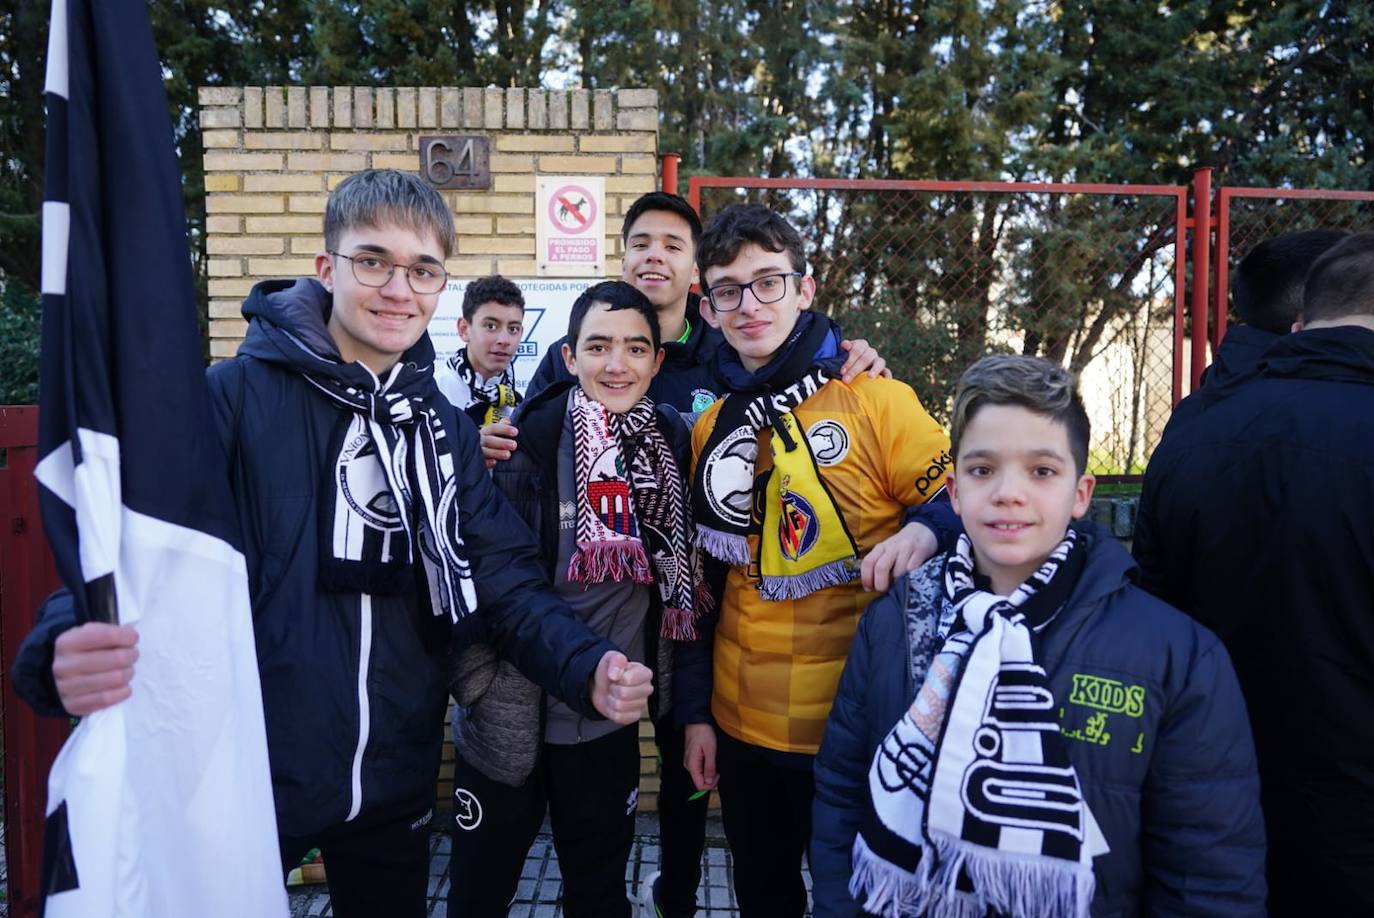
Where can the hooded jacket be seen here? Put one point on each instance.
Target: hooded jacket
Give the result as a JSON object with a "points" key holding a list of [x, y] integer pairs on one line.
{"points": [[686, 381], [1258, 524], [1155, 727], [353, 685], [1237, 362], [499, 726]]}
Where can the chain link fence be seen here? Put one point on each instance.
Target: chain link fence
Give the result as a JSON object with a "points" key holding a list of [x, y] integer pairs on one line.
{"points": [[1249, 216], [936, 274]]}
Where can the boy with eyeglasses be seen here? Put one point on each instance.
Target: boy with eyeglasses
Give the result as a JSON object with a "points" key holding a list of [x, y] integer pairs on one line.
{"points": [[798, 475], [373, 537]]}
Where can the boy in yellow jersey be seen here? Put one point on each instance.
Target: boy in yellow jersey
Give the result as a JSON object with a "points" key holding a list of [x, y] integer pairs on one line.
{"points": [[796, 476]]}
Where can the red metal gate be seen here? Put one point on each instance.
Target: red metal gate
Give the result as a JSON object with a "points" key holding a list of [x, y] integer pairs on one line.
{"points": [[27, 575]]}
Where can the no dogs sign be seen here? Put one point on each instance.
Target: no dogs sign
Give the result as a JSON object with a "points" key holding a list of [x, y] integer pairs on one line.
{"points": [[569, 214]]}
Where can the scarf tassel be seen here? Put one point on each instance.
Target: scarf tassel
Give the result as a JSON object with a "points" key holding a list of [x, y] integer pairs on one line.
{"points": [[777, 587], [1006, 883], [598, 562], [725, 546]]}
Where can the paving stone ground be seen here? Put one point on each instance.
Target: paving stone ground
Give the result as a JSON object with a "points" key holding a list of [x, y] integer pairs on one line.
{"points": [[541, 883]]}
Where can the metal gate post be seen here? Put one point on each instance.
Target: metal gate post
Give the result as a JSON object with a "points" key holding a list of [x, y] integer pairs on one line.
{"points": [[1202, 250]]}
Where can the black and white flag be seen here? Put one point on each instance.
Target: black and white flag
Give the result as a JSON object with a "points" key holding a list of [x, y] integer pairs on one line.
{"points": [[160, 805]]}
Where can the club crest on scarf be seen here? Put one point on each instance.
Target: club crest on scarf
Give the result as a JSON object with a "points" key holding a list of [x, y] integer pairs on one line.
{"points": [[363, 486], [797, 523], [608, 494], [728, 474]]}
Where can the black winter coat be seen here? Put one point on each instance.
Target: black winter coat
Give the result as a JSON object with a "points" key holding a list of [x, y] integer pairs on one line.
{"points": [[353, 686], [1258, 523], [1173, 787]]}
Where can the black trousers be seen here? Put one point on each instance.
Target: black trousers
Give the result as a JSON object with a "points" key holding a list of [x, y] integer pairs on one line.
{"points": [[766, 808], [381, 868], [681, 825], [590, 791]]}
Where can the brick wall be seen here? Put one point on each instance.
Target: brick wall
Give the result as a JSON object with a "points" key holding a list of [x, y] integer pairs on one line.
{"points": [[273, 153]]}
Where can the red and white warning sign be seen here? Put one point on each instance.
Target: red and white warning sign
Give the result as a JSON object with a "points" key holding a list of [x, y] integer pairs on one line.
{"points": [[570, 222]]}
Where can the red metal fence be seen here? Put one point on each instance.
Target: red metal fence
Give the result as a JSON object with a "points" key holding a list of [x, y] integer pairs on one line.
{"points": [[1117, 282], [26, 577]]}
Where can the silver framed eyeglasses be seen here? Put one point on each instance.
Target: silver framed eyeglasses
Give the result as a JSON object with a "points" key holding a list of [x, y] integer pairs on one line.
{"points": [[424, 277], [766, 289]]}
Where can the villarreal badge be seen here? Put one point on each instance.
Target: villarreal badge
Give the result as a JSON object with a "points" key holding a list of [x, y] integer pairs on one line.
{"points": [[797, 524]]}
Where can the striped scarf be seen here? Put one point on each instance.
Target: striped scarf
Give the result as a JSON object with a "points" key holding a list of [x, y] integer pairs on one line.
{"points": [[498, 394], [631, 494], [394, 491], [974, 805]]}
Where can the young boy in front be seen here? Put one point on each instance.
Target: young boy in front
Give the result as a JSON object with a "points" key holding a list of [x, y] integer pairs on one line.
{"points": [[477, 378], [797, 475], [1020, 730], [600, 479]]}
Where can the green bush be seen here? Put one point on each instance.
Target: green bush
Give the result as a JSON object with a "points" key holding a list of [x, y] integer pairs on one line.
{"points": [[21, 320]]}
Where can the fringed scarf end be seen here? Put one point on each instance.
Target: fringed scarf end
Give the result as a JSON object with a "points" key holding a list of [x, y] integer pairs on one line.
{"points": [[724, 546], [778, 587], [598, 562]]}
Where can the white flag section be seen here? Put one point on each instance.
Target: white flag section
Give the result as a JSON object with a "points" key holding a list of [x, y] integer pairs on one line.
{"points": [[168, 795], [161, 805]]}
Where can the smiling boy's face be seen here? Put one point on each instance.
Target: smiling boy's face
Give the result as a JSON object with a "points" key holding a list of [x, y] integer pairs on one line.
{"points": [[376, 325], [757, 330], [1016, 488], [614, 360]]}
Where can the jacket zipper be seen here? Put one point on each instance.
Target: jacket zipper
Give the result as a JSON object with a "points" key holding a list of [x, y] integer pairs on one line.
{"points": [[364, 708]]}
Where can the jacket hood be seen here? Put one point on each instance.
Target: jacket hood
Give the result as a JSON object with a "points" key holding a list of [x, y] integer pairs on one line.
{"points": [[1344, 353], [283, 315], [1239, 355]]}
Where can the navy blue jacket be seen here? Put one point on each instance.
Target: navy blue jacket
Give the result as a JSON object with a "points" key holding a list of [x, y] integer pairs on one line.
{"points": [[320, 710], [686, 381], [1174, 789], [1258, 524]]}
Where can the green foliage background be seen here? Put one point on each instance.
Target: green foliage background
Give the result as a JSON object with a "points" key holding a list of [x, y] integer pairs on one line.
{"points": [[1268, 92]]}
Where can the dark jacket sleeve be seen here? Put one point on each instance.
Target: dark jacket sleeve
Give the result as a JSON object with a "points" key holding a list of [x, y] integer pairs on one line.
{"points": [[32, 670], [526, 621], [937, 515], [550, 370], [842, 765], [1202, 830]]}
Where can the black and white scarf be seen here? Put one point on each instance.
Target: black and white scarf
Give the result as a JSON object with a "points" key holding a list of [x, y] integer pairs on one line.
{"points": [[974, 805], [498, 394], [631, 494], [394, 490]]}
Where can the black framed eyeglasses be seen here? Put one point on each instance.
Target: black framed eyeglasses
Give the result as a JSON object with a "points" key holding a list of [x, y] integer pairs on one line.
{"points": [[766, 289], [424, 277]]}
